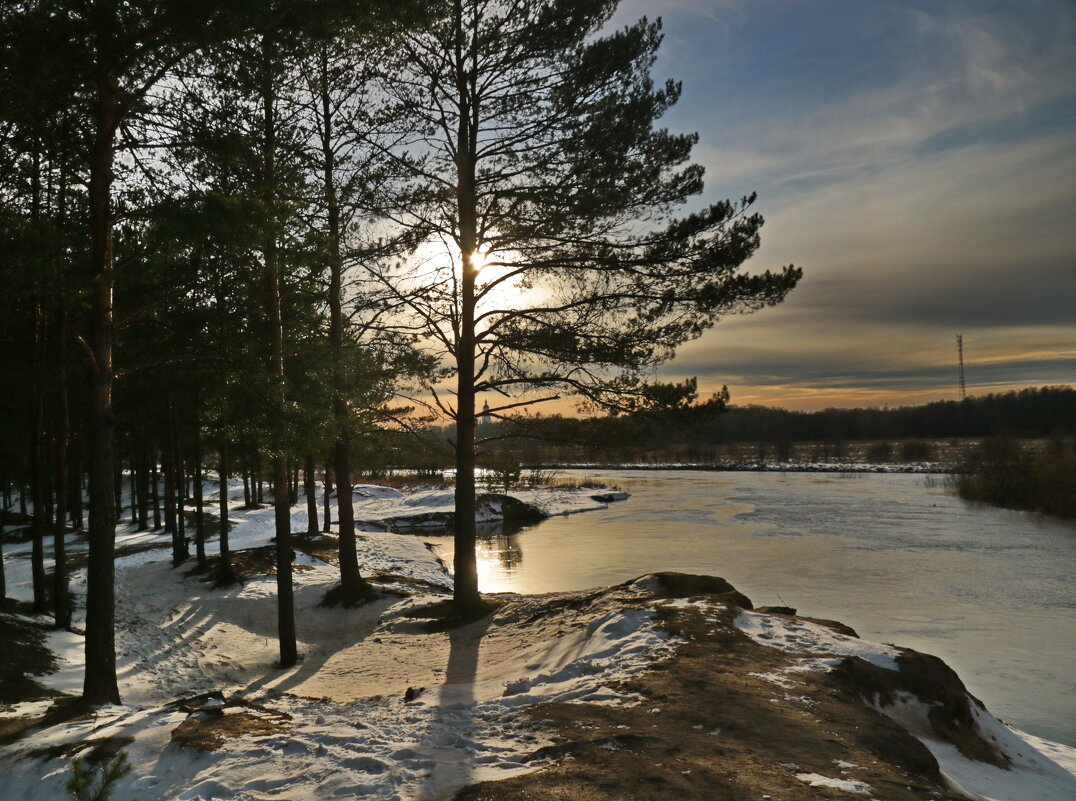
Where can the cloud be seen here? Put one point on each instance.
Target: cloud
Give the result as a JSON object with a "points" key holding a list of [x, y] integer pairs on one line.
{"points": [[918, 159], [843, 94]]}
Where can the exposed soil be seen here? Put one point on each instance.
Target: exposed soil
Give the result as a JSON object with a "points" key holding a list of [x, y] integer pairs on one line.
{"points": [[62, 710], [212, 734], [708, 729], [325, 547], [213, 721]]}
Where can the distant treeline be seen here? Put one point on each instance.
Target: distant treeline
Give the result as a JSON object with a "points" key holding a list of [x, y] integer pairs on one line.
{"points": [[1037, 411], [708, 432]]}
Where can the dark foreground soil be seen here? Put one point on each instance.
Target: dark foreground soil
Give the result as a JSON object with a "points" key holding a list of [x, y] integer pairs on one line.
{"points": [[709, 729]]}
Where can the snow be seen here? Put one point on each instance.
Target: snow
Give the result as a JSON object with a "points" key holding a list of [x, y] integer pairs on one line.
{"points": [[796, 636], [1039, 769], [346, 739], [350, 732], [67, 646], [426, 508], [847, 785]]}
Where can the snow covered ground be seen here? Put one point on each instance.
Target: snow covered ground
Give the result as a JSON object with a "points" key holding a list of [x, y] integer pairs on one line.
{"points": [[341, 726], [1039, 770]]}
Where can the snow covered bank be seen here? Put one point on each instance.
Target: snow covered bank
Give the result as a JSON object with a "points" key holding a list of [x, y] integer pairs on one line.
{"points": [[979, 757], [377, 508], [426, 509], [669, 679], [749, 465]]}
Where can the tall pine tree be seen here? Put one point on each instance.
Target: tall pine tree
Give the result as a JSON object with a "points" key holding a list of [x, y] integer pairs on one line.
{"points": [[539, 167]]}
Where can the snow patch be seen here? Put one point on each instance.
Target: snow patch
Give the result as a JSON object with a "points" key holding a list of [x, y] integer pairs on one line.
{"points": [[801, 637], [1039, 769], [847, 785]]}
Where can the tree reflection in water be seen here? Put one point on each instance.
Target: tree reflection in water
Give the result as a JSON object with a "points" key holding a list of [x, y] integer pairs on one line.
{"points": [[497, 541]]}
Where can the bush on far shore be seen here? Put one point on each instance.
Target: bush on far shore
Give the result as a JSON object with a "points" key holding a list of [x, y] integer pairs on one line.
{"points": [[1005, 472]]}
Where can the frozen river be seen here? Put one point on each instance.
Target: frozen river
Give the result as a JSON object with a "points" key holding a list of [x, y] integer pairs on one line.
{"points": [[991, 591]]}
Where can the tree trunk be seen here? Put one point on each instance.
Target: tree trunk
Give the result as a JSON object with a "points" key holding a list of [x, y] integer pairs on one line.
{"points": [[181, 503], [199, 501], [134, 493], [225, 574], [328, 496], [75, 473], [37, 469], [100, 684], [174, 491], [465, 567], [143, 491], [354, 587], [3, 579], [285, 593], [168, 469], [246, 487], [61, 611], [285, 600], [155, 490], [49, 478], [311, 490]]}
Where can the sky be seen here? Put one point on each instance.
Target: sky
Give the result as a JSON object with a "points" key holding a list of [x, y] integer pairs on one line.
{"points": [[917, 160]]}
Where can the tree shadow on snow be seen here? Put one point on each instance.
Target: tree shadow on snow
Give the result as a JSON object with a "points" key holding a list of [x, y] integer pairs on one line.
{"points": [[450, 742]]}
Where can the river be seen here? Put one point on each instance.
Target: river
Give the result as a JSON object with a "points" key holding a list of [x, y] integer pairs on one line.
{"points": [[990, 591]]}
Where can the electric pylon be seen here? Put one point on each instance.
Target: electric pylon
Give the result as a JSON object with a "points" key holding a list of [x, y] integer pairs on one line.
{"points": [[960, 357]]}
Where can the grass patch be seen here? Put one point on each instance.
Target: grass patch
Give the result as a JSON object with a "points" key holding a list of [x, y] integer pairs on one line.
{"points": [[61, 711], [407, 480], [210, 727], [446, 615], [245, 564], [211, 735]]}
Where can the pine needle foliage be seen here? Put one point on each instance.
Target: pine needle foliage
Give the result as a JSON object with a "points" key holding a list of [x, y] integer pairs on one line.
{"points": [[96, 784]]}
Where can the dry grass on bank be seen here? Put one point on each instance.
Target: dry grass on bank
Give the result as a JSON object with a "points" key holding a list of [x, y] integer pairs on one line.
{"points": [[1006, 472]]}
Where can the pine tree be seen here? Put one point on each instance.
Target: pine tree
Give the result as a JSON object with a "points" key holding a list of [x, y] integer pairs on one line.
{"points": [[99, 62], [538, 165]]}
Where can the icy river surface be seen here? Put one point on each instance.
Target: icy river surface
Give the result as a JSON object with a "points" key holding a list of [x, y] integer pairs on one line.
{"points": [[990, 591]]}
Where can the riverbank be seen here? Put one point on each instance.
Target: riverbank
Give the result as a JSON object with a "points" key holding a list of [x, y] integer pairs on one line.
{"points": [[755, 466], [668, 684], [897, 556]]}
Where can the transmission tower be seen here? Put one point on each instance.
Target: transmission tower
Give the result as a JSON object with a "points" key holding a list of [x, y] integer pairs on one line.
{"points": [[960, 357]]}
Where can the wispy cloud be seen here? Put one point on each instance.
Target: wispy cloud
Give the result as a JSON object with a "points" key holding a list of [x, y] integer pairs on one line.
{"points": [[917, 158]]}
